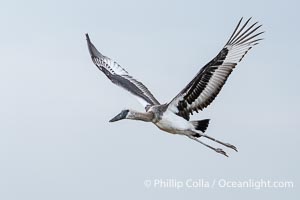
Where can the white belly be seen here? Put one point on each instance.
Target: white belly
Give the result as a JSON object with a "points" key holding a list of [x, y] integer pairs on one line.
{"points": [[172, 123]]}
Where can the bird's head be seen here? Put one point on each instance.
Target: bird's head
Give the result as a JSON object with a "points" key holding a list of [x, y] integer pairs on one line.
{"points": [[124, 114]]}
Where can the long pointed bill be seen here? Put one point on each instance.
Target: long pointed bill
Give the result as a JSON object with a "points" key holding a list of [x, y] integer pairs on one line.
{"points": [[121, 115]]}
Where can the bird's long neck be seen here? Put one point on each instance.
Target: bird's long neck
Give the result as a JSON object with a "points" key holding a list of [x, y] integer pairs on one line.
{"points": [[146, 116]]}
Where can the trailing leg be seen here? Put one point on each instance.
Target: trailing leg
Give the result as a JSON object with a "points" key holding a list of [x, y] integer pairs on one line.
{"points": [[218, 150], [200, 134], [220, 142]]}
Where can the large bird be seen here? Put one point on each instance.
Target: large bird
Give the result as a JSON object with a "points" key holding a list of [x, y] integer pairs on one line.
{"points": [[173, 117]]}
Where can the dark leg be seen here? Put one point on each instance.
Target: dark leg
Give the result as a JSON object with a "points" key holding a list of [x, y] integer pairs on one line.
{"points": [[215, 140], [218, 150], [218, 141]]}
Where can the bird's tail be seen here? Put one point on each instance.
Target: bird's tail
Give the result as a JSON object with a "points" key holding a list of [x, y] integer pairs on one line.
{"points": [[201, 125]]}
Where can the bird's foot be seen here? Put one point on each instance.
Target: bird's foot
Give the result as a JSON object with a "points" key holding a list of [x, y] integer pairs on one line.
{"points": [[231, 146], [218, 150]]}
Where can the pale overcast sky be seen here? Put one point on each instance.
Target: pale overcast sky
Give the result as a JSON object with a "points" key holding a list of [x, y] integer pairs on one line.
{"points": [[55, 138]]}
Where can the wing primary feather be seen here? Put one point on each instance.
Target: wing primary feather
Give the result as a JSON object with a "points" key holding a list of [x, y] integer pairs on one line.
{"points": [[248, 39], [242, 34], [240, 30], [240, 39], [236, 28]]}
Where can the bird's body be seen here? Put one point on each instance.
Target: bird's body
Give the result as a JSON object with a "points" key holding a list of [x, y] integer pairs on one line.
{"points": [[173, 117], [172, 123]]}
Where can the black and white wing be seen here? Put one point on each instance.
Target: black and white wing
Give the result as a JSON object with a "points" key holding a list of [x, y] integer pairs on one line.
{"points": [[208, 82], [120, 76]]}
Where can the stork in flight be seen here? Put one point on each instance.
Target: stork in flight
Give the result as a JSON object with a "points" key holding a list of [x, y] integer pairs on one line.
{"points": [[173, 117]]}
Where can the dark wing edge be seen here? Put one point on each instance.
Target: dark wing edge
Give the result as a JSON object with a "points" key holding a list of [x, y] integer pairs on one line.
{"points": [[208, 82], [120, 76]]}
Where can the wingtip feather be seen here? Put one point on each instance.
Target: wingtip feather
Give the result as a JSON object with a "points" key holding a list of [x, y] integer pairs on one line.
{"points": [[87, 37]]}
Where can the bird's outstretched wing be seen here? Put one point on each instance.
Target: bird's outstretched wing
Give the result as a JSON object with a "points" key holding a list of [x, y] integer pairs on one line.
{"points": [[120, 76], [208, 82]]}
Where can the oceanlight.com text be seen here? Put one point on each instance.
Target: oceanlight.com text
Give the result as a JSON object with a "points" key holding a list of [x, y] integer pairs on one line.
{"points": [[256, 184]]}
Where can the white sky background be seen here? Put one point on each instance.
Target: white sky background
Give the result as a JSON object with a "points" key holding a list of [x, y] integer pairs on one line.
{"points": [[55, 139]]}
